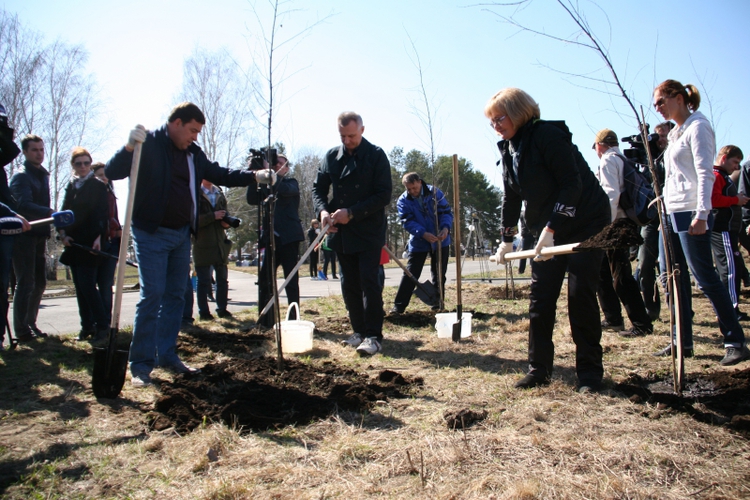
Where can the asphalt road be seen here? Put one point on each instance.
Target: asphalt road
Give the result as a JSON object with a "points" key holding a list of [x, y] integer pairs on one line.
{"points": [[59, 315]]}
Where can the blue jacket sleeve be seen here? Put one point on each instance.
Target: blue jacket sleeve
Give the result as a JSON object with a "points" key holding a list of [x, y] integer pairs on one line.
{"points": [[445, 215], [408, 217]]}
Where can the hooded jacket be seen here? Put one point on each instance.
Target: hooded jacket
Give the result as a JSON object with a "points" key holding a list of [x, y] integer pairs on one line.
{"points": [[419, 217]]}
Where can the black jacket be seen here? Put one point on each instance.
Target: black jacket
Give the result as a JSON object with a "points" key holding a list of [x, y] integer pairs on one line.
{"points": [[286, 222], [91, 209], [555, 182], [155, 177], [8, 152], [361, 183], [30, 188]]}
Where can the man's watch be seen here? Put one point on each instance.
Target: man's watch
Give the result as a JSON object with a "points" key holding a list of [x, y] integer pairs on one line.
{"points": [[350, 214]]}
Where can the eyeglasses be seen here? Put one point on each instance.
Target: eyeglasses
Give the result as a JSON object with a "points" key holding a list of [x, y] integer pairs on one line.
{"points": [[494, 122], [82, 164], [660, 102]]}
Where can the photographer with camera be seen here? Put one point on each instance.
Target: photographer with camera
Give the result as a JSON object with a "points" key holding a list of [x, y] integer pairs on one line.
{"points": [[211, 248], [287, 231]]}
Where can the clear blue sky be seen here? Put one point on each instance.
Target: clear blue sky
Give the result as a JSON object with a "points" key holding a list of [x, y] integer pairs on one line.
{"points": [[358, 59]]}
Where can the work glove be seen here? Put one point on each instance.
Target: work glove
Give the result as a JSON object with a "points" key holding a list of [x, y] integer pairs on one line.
{"points": [[138, 134], [499, 257], [266, 177], [546, 239]]}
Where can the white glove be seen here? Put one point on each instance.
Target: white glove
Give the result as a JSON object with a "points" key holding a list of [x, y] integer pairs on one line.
{"points": [[266, 177], [138, 134], [546, 239], [499, 257]]}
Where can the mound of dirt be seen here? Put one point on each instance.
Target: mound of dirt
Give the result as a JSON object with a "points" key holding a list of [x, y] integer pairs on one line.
{"points": [[254, 395], [503, 293], [416, 319], [464, 418], [622, 233], [718, 398]]}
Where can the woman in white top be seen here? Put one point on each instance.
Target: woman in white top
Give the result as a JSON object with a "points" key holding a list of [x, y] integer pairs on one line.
{"points": [[688, 162]]}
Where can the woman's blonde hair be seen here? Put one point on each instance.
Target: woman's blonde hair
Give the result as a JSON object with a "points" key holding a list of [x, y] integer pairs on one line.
{"points": [[689, 93], [519, 106]]}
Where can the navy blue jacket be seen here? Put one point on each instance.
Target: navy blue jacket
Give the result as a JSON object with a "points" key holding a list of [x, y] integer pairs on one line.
{"points": [[8, 152], [287, 225], [362, 183], [418, 219], [30, 188], [155, 178]]}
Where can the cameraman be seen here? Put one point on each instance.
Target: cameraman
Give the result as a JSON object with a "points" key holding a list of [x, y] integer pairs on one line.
{"points": [[287, 231], [211, 248]]}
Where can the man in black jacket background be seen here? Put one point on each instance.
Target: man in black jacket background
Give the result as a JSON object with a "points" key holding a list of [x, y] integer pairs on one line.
{"points": [[288, 233], [30, 188], [359, 174]]}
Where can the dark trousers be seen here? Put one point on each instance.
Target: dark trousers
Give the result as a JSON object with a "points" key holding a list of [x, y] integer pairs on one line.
{"points": [[187, 311], [6, 260], [414, 265], [30, 267], [616, 274], [286, 256], [313, 264], [726, 249], [105, 276], [363, 296], [583, 312], [90, 306], [329, 256], [648, 257], [204, 287]]}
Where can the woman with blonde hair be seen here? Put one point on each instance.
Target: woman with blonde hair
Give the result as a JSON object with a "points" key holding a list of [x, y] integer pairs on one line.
{"points": [[688, 165], [564, 203], [86, 196]]}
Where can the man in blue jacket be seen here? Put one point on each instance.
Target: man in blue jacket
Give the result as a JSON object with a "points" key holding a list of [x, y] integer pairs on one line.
{"points": [[165, 212], [429, 226]]}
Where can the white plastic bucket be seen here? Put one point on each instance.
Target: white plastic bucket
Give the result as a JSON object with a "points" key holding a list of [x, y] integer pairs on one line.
{"points": [[444, 324], [296, 335]]}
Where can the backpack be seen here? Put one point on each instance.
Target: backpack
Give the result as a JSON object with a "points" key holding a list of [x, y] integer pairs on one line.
{"points": [[638, 193]]}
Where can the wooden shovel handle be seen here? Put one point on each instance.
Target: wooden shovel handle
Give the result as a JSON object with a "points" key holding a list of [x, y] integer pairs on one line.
{"points": [[529, 254]]}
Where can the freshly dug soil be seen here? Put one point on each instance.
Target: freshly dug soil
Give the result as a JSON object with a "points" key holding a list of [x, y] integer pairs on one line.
{"points": [[718, 398], [622, 233], [464, 418], [255, 395]]}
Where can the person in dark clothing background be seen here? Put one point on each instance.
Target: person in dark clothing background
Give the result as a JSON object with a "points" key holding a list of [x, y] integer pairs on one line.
{"points": [[30, 189], [312, 233], [287, 231], [105, 277], [8, 152], [564, 202], [360, 175], [86, 196]]}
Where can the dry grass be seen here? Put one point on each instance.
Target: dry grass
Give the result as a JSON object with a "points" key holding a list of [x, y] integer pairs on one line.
{"points": [[57, 441]]}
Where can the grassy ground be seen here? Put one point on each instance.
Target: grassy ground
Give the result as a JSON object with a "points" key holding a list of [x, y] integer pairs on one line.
{"points": [[57, 441]]}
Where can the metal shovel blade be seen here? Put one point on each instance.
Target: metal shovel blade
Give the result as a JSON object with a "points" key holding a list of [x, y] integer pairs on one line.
{"points": [[110, 367], [428, 293]]}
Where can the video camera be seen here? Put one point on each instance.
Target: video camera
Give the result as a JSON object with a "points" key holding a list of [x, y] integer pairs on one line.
{"points": [[5, 129], [637, 150], [231, 221], [255, 158]]}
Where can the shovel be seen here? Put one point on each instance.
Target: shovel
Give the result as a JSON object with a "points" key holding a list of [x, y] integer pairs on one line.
{"points": [[457, 222], [427, 292], [103, 254], [110, 363]]}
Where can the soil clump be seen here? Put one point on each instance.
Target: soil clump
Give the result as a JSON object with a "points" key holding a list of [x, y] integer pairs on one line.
{"points": [[255, 395], [622, 233], [717, 398]]}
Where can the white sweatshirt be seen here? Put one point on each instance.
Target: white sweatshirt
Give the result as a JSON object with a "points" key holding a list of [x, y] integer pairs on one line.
{"points": [[611, 178], [689, 166]]}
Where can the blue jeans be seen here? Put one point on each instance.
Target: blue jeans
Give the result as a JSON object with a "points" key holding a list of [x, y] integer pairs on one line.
{"points": [[694, 252], [164, 261]]}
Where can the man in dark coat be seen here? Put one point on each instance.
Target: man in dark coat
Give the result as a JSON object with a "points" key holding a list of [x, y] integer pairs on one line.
{"points": [[30, 188], [360, 175], [165, 212], [287, 231]]}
